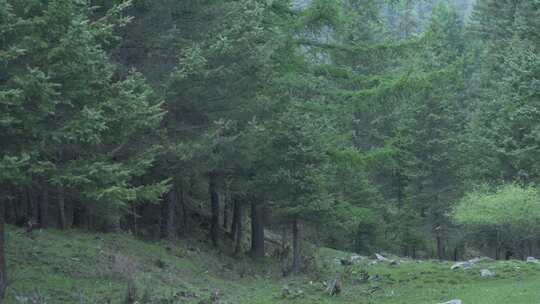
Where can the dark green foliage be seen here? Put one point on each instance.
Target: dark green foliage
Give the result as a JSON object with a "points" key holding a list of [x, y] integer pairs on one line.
{"points": [[368, 118]]}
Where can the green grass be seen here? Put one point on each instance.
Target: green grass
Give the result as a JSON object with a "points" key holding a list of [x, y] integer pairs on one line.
{"points": [[67, 266]]}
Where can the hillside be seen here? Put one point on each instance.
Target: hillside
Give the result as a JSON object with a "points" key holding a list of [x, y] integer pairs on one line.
{"points": [[81, 267]]}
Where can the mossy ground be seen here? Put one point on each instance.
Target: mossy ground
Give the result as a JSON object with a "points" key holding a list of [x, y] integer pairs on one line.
{"points": [[82, 267]]}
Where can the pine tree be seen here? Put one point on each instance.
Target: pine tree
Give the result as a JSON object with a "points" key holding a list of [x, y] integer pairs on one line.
{"points": [[67, 122]]}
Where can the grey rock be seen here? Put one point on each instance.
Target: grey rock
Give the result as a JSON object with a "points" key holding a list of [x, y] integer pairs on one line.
{"points": [[355, 258], [532, 260], [395, 263], [453, 302], [380, 258], [285, 291], [475, 260], [487, 273], [300, 5], [462, 265]]}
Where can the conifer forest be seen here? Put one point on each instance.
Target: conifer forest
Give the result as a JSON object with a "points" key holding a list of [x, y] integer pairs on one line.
{"points": [[270, 151]]}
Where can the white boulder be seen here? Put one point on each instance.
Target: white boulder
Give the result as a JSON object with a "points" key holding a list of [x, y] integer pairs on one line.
{"points": [[453, 302], [380, 258], [532, 260], [487, 273], [462, 265]]}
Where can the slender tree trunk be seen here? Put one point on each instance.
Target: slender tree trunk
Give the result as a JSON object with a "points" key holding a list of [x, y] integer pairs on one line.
{"points": [[399, 190], [32, 206], [168, 213], [284, 254], [440, 248], [11, 211], [134, 219], [236, 225], [226, 206], [44, 209], [257, 231], [3, 270], [184, 210], [238, 233], [234, 221], [499, 246], [296, 245], [16, 206], [214, 199], [61, 208]]}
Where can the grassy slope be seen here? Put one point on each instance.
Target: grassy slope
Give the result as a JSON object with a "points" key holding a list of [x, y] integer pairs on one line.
{"points": [[65, 266]]}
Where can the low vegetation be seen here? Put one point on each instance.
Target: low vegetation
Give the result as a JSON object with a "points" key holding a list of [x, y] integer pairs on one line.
{"points": [[81, 267]]}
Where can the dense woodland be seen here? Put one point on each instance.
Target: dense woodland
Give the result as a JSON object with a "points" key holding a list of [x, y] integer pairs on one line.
{"points": [[404, 126]]}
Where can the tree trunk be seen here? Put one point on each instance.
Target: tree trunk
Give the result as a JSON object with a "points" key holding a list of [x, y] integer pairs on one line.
{"points": [[257, 231], [61, 208], [226, 206], [44, 209], [236, 227], [234, 221], [214, 200], [498, 248], [184, 210], [11, 211], [168, 214], [440, 247], [296, 246], [33, 210], [239, 233], [284, 254], [3, 271]]}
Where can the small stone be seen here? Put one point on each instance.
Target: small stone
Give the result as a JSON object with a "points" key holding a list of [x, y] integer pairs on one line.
{"points": [[487, 273], [285, 291], [345, 262]]}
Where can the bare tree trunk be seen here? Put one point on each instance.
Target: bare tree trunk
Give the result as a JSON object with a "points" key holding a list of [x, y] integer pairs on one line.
{"points": [[257, 230], [134, 219], [44, 209], [239, 232], [284, 254], [11, 211], [499, 246], [296, 246], [168, 213], [234, 221], [184, 210], [226, 207], [440, 248], [214, 200], [3, 270], [32, 206], [61, 207], [236, 225]]}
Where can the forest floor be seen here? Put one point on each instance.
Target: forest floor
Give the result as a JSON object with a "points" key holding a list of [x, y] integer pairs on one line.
{"points": [[82, 267]]}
